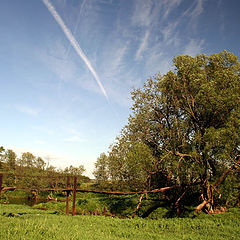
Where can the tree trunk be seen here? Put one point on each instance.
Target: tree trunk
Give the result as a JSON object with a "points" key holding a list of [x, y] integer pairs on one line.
{"points": [[207, 197], [208, 189]]}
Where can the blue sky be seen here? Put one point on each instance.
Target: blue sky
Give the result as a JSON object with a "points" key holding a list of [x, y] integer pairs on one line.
{"points": [[68, 66]]}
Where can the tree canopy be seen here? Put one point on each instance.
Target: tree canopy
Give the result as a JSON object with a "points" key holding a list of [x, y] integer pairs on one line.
{"points": [[184, 127]]}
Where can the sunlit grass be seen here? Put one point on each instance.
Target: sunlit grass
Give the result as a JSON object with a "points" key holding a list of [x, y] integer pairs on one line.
{"points": [[22, 222]]}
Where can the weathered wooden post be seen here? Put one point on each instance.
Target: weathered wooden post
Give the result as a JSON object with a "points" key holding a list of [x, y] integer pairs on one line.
{"points": [[68, 193], [1, 180], [74, 194], [104, 211]]}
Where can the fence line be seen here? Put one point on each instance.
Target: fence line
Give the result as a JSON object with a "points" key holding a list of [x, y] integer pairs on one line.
{"points": [[74, 190], [67, 189]]}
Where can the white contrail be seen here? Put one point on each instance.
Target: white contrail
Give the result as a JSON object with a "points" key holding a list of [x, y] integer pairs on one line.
{"points": [[76, 26], [74, 43]]}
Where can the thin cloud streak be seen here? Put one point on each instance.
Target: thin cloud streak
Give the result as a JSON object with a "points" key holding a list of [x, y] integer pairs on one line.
{"points": [[142, 46], [74, 43], [28, 110]]}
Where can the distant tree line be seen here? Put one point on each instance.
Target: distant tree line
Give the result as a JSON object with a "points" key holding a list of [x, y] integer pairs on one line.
{"points": [[184, 130], [31, 171]]}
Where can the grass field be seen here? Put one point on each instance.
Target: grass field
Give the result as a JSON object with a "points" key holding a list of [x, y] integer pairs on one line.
{"points": [[23, 222]]}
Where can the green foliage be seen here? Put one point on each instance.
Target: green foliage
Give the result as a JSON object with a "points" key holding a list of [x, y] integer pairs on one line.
{"points": [[76, 171], [101, 169], [230, 191], [118, 205], [139, 164], [27, 160]]}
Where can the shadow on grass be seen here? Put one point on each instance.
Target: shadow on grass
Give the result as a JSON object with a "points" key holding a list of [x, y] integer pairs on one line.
{"points": [[119, 205]]}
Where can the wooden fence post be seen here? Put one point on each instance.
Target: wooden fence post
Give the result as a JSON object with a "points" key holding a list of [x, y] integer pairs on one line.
{"points": [[74, 194], [104, 211], [68, 193], [1, 180]]}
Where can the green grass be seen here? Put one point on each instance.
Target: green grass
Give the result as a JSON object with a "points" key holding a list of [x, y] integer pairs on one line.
{"points": [[23, 222]]}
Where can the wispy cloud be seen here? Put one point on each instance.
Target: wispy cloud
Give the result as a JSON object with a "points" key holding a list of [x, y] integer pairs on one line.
{"points": [[157, 61], [169, 32], [114, 60], [168, 6], [198, 9], [148, 11], [195, 9], [142, 15], [28, 110], [221, 19], [73, 136], [194, 47], [154, 36], [142, 46], [74, 43], [55, 59]]}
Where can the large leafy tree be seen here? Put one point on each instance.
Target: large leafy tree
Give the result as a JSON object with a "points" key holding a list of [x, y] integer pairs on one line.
{"points": [[190, 120]]}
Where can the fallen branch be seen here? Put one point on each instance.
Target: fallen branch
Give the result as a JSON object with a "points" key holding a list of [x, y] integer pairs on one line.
{"points": [[98, 191], [8, 188], [139, 204]]}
